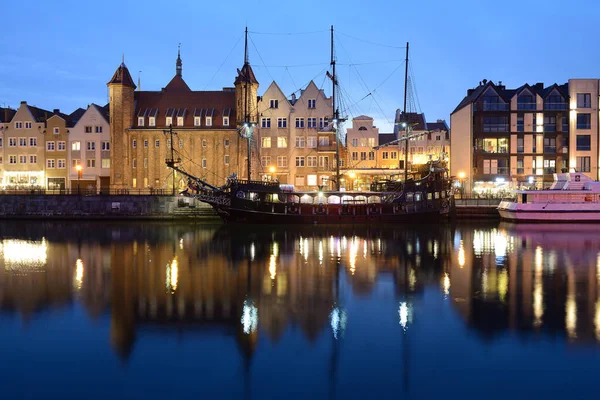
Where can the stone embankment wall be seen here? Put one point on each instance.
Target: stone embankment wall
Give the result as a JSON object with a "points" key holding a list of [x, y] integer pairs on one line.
{"points": [[102, 207]]}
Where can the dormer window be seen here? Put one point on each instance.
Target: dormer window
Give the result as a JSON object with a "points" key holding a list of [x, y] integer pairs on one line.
{"points": [[312, 103], [140, 121], [197, 121], [225, 121], [151, 121], [208, 121], [179, 121], [274, 103], [169, 121]]}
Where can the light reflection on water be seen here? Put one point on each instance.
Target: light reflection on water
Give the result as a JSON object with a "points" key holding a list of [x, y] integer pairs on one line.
{"points": [[395, 299]]}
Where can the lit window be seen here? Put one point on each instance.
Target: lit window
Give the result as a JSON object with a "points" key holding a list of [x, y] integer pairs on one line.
{"points": [[226, 159], [106, 163], [225, 121], [282, 142], [266, 142], [197, 121], [75, 146], [208, 121], [169, 121], [151, 121], [145, 163], [180, 121]]}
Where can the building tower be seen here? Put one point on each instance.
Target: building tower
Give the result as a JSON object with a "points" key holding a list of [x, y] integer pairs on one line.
{"points": [[121, 90], [246, 102]]}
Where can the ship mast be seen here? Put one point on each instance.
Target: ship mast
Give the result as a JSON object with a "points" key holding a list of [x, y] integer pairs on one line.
{"points": [[405, 117], [336, 117], [246, 111]]}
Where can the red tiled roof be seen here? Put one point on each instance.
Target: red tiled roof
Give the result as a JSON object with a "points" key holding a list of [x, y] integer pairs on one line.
{"points": [[122, 76], [177, 84], [187, 104]]}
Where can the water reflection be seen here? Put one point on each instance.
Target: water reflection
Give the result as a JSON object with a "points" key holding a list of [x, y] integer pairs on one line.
{"points": [[259, 286]]}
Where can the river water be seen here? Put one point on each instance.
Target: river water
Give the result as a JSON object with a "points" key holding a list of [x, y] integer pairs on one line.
{"points": [[170, 310]]}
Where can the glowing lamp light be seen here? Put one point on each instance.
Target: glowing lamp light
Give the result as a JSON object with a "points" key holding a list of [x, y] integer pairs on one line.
{"points": [[272, 169], [352, 175], [530, 179], [461, 175]]}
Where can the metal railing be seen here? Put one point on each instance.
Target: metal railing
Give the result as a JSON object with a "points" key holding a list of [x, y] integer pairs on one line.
{"points": [[478, 201], [87, 192]]}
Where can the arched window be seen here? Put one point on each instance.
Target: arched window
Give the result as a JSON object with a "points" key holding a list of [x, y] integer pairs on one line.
{"points": [[362, 128]]}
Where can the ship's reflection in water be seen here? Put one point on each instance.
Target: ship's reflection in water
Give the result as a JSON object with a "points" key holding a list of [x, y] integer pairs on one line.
{"points": [[327, 312]]}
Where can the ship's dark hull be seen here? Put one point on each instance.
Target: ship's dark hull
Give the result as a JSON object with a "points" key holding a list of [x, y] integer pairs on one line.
{"points": [[332, 213]]}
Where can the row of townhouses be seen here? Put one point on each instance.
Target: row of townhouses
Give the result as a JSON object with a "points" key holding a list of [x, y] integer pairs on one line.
{"points": [[124, 144], [508, 138]]}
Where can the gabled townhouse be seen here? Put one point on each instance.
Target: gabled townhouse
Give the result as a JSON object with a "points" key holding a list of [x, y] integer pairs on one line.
{"points": [[89, 148], [56, 136]]}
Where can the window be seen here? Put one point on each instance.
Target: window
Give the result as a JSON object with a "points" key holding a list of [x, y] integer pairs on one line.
{"points": [[520, 166], [98, 129], [300, 142], [299, 161], [181, 143], [324, 141], [140, 121], [134, 143], [204, 143], [62, 163], [105, 146], [32, 142], [204, 163], [145, 163], [311, 180], [322, 123], [299, 122], [145, 143], [76, 146], [355, 142], [197, 121], [91, 146], [157, 143], [311, 122], [495, 124], [494, 103], [28, 125], [273, 103], [355, 156], [62, 145], [179, 121], [91, 163], [32, 159], [385, 155], [208, 121], [549, 166], [363, 142], [549, 145], [151, 122], [371, 142], [22, 159], [18, 125], [12, 159], [438, 137], [265, 122], [311, 161], [282, 161], [525, 102], [584, 142], [226, 159], [394, 155], [324, 162], [226, 142], [311, 142], [265, 161], [371, 155], [584, 121], [520, 145], [76, 162], [50, 146], [265, 142], [520, 123], [549, 124], [134, 163], [225, 121], [12, 142], [169, 121], [134, 182], [1, 142], [88, 129], [583, 164], [312, 103], [169, 143], [282, 122], [50, 163], [105, 163], [584, 100], [56, 130], [363, 156], [22, 142], [492, 145], [281, 142]]}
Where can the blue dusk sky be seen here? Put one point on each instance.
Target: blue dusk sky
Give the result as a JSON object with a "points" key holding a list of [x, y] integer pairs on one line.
{"points": [[61, 55]]}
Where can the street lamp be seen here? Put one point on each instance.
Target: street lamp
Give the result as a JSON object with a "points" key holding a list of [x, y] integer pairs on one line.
{"points": [[79, 170]]}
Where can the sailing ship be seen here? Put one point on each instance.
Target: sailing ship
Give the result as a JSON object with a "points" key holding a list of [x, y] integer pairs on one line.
{"points": [[424, 195]]}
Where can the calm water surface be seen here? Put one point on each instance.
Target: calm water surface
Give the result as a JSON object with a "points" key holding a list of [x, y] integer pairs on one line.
{"points": [[147, 310]]}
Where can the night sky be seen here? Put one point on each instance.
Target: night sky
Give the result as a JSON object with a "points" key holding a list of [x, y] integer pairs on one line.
{"points": [[62, 56]]}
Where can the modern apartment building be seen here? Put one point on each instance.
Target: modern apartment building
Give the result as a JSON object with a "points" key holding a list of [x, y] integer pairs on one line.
{"points": [[89, 147], [204, 125], [507, 138]]}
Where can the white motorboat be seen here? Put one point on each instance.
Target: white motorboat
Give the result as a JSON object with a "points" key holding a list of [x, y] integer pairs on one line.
{"points": [[573, 197]]}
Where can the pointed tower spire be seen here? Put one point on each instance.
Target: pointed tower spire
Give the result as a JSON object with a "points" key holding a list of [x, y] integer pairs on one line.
{"points": [[178, 64]]}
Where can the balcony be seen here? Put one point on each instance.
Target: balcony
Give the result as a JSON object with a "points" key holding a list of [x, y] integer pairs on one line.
{"points": [[495, 128], [495, 107], [555, 106], [326, 147], [526, 106], [549, 127], [549, 149], [503, 170]]}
